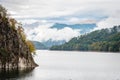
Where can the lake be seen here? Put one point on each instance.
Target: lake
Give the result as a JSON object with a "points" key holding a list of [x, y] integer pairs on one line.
{"points": [[71, 65]]}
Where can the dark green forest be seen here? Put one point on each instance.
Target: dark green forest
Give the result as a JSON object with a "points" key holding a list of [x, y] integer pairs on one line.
{"points": [[100, 40]]}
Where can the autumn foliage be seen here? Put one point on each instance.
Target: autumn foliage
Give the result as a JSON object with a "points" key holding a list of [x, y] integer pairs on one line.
{"points": [[31, 46], [17, 27]]}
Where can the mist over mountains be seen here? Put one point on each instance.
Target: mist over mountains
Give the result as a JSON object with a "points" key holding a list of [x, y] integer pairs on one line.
{"points": [[57, 33]]}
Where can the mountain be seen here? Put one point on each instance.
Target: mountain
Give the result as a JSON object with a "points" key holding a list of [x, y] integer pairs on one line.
{"points": [[39, 45], [46, 44], [85, 28], [50, 43], [99, 40]]}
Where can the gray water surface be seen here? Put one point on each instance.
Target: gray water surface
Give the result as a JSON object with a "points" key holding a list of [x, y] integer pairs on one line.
{"points": [[73, 65]]}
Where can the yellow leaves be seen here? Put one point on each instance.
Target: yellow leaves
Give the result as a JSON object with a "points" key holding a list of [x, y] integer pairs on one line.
{"points": [[31, 46], [13, 23], [23, 36]]}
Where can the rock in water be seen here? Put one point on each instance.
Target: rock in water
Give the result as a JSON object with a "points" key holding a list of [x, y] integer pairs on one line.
{"points": [[14, 51]]}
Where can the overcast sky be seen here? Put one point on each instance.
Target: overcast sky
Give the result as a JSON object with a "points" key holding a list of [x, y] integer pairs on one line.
{"points": [[105, 13]]}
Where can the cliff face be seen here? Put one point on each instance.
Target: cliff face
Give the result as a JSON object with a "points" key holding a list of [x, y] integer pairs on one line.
{"points": [[14, 52]]}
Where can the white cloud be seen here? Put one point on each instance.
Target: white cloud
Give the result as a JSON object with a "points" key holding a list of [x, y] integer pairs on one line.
{"points": [[108, 23], [31, 21], [75, 20], [73, 10], [56, 8], [28, 21], [44, 33]]}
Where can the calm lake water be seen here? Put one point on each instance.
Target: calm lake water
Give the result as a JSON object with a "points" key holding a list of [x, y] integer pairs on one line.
{"points": [[71, 65]]}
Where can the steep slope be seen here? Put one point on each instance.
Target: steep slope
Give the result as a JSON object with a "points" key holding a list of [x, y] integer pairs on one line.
{"points": [[14, 50]]}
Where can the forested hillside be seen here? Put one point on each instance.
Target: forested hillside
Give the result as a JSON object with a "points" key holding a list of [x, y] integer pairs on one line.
{"points": [[100, 40]]}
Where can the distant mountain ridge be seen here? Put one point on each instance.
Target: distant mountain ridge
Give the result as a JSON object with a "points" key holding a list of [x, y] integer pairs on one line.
{"points": [[39, 45], [47, 44], [50, 43], [83, 27], [74, 26]]}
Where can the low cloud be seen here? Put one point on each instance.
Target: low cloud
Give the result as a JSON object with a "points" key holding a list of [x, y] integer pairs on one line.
{"points": [[32, 21], [108, 23], [58, 8], [106, 13], [44, 33]]}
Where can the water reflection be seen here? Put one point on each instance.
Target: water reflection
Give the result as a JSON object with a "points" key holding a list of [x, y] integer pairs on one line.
{"points": [[8, 74]]}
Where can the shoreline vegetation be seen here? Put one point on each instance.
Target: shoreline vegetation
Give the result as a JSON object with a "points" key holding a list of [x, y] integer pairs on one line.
{"points": [[15, 50], [105, 40]]}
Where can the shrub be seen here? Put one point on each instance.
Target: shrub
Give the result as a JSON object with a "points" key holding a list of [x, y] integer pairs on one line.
{"points": [[31, 46]]}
